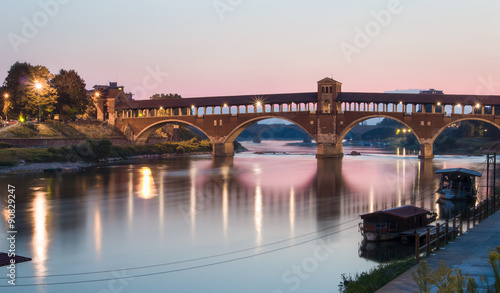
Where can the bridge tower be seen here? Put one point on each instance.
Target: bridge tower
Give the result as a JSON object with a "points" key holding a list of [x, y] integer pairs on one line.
{"points": [[328, 109]]}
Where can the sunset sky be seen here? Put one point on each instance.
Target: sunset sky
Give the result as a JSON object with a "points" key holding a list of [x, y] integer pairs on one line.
{"points": [[229, 47]]}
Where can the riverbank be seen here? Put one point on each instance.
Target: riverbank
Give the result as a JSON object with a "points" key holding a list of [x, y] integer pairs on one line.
{"points": [[81, 165], [91, 152]]}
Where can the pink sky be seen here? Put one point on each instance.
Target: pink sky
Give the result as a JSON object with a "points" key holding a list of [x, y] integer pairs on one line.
{"points": [[222, 47]]}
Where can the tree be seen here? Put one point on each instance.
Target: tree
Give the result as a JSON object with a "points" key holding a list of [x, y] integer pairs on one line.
{"points": [[24, 97], [165, 96], [15, 87], [73, 99], [39, 101]]}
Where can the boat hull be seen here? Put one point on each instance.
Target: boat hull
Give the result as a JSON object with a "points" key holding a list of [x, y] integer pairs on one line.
{"points": [[456, 195], [372, 237]]}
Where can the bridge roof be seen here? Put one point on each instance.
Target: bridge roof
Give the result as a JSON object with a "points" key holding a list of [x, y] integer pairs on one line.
{"points": [[311, 97], [219, 101], [418, 98]]}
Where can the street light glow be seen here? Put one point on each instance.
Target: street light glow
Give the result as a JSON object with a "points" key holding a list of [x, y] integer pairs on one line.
{"points": [[38, 86]]}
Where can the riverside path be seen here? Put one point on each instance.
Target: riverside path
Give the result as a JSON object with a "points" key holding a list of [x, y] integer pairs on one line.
{"points": [[468, 253]]}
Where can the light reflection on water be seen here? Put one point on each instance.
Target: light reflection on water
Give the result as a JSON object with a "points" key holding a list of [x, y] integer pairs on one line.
{"points": [[193, 217]]}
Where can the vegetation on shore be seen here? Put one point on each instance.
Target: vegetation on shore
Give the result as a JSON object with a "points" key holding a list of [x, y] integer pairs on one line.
{"points": [[376, 278], [96, 150], [443, 277], [60, 130]]}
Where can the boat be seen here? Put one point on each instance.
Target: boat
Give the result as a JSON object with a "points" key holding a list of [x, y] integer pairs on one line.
{"points": [[458, 183], [393, 223]]}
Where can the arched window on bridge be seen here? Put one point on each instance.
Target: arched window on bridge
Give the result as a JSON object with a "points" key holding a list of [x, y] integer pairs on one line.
{"points": [[327, 107]]}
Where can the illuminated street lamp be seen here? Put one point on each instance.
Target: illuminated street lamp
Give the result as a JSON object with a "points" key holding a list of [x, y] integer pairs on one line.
{"points": [[38, 86], [6, 97]]}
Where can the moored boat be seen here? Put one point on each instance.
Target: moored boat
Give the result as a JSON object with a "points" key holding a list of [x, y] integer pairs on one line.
{"points": [[458, 183], [391, 223]]}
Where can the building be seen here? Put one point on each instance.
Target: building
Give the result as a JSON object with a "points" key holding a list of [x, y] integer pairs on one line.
{"points": [[105, 97], [431, 92]]}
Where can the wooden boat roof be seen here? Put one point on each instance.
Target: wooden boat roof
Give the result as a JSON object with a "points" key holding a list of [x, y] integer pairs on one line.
{"points": [[459, 170], [403, 212]]}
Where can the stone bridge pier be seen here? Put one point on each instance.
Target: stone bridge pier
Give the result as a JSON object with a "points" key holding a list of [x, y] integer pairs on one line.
{"points": [[426, 149], [222, 149]]}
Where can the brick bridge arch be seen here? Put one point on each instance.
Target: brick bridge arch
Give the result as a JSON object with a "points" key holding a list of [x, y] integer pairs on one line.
{"points": [[145, 133], [239, 129], [355, 123], [461, 120], [326, 114]]}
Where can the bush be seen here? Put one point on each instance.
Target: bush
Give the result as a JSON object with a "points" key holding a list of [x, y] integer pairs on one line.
{"points": [[100, 148], [180, 150], [376, 278], [5, 145], [448, 280]]}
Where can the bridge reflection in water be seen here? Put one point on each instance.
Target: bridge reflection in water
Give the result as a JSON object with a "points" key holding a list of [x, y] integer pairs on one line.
{"points": [[185, 208]]}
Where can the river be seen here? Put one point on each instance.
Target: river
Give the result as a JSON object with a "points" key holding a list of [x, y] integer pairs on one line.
{"points": [[257, 223]]}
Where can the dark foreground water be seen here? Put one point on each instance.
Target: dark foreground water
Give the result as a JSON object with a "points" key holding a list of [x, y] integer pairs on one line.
{"points": [[257, 223]]}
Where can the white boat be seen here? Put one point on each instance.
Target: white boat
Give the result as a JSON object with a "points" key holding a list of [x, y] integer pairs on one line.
{"points": [[458, 183]]}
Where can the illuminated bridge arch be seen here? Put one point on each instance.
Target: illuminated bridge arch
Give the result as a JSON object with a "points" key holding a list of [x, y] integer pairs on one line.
{"points": [[143, 136], [241, 127]]}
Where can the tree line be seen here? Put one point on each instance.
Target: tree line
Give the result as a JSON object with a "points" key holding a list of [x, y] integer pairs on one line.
{"points": [[30, 91]]}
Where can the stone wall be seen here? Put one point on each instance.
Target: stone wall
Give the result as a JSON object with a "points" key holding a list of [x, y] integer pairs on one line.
{"points": [[55, 142]]}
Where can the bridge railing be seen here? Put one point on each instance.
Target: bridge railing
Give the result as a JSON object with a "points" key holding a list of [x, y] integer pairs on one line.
{"points": [[446, 109], [232, 110], [434, 238]]}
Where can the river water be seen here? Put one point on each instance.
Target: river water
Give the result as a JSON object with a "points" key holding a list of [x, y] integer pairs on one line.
{"points": [[256, 223]]}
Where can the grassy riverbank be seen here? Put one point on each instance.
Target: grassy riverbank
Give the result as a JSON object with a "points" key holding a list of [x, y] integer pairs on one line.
{"points": [[96, 150], [376, 278]]}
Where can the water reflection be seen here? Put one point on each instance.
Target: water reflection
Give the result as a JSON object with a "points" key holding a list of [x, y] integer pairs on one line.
{"points": [[292, 212], [198, 207], [452, 208], [147, 184], [258, 215], [40, 242], [97, 232]]}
